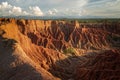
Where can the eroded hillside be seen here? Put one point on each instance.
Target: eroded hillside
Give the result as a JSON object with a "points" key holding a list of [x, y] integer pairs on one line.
{"points": [[56, 49]]}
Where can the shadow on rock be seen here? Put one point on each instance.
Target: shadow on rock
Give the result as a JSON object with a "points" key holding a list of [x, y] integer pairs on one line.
{"points": [[13, 68], [93, 66]]}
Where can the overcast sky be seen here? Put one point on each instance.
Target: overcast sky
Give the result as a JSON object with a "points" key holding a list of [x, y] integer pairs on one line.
{"points": [[101, 8]]}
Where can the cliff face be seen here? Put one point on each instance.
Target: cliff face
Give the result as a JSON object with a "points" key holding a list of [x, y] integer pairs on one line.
{"points": [[37, 47]]}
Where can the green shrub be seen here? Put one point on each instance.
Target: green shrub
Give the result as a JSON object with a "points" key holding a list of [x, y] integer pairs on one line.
{"points": [[69, 51]]}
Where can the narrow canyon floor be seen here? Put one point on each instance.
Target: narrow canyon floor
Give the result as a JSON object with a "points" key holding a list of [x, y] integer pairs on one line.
{"points": [[59, 50]]}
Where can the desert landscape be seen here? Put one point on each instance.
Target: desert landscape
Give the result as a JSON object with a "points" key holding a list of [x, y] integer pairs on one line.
{"points": [[32, 49]]}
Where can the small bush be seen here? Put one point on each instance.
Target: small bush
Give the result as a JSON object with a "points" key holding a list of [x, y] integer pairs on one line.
{"points": [[69, 51]]}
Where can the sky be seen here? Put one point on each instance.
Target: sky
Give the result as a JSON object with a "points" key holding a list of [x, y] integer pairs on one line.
{"points": [[73, 8]]}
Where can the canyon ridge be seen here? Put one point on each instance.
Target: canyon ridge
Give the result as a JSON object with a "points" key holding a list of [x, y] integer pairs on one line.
{"points": [[59, 50]]}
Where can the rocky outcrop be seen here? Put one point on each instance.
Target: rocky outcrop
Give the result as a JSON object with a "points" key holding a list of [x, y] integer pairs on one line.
{"points": [[104, 66], [37, 48], [17, 63], [93, 66]]}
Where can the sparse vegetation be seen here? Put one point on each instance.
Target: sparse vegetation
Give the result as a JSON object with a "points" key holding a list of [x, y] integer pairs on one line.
{"points": [[69, 51]]}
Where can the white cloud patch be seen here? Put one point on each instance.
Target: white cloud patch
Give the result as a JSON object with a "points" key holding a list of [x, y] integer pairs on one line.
{"points": [[5, 5], [7, 10], [36, 11], [17, 11], [65, 12], [81, 3], [69, 8], [52, 12], [4, 8]]}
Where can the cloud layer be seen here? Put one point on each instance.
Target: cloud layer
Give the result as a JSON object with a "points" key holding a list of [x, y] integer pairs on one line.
{"points": [[104, 8], [8, 10]]}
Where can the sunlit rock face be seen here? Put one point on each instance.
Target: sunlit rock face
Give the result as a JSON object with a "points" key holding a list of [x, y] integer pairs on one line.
{"points": [[58, 50]]}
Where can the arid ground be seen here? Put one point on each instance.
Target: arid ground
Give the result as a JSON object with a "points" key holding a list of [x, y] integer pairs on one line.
{"points": [[59, 50]]}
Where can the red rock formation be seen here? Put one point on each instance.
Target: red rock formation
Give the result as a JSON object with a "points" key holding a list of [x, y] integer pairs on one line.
{"points": [[67, 34], [34, 47]]}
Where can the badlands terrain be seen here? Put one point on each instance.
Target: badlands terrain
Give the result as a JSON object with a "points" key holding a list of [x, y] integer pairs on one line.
{"points": [[59, 50]]}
